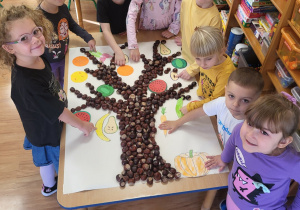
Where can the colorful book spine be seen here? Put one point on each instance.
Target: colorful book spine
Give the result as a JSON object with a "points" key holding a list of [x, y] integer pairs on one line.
{"points": [[264, 24], [260, 9], [245, 24], [243, 15], [260, 3], [272, 18], [249, 13]]}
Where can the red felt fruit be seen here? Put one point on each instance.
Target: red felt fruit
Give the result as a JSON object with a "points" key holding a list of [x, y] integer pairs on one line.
{"points": [[84, 116], [157, 86]]}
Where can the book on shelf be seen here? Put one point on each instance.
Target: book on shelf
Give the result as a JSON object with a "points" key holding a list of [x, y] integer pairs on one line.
{"points": [[264, 23], [272, 18], [260, 9], [260, 3], [248, 12], [243, 17], [258, 31]]}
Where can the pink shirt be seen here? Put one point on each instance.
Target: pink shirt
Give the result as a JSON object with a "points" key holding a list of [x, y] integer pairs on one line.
{"points": [[155, 14]]}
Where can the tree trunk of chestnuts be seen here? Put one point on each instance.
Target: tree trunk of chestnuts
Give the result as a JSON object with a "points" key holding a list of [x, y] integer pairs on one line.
{"points": [[140, 156]]}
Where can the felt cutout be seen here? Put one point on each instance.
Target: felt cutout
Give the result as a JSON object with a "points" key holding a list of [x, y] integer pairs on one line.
{"points": [[179, 63], [126, 58], [104, 56], [163, 118], [174, 76], [106, 90], [80, 61], [157, 86], [84, 116], [191, 164], [164, 50], [79, 76], [111, 126], [178, 107], [99, 126], [125, 70], [95, 54]]}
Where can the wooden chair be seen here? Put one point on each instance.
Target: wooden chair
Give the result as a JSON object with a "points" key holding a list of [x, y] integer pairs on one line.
{"points": [[69, 4]]}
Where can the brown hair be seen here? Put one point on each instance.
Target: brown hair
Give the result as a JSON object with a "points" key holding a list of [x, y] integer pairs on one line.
{"points": [[206, 41], [278, 112], [247, 77], [14, 13]]}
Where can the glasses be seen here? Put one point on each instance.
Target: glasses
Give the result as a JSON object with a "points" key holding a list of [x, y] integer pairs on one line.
{"points": [[26, 38]]}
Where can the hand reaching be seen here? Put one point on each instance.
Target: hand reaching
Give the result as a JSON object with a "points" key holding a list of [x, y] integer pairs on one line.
{"points": [[92, 45], [214, 162], [87, 128], [135, 55], [169, 125], [120, 58], [178, 41], [167, 34], [184, 75]]}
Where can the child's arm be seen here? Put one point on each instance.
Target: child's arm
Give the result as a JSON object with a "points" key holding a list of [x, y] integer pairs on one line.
{"points": [[173, 125], [133, 11], [119, 55], [69, 118], [178, 41], [174, 27]]}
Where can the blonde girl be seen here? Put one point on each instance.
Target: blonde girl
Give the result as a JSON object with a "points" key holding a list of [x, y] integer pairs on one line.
{"points": [[37, 95]]}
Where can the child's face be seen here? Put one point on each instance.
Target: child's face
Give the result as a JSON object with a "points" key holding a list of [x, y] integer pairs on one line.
{"points": [[256, 140], [238, 98], [34, 47], [209, 61]]}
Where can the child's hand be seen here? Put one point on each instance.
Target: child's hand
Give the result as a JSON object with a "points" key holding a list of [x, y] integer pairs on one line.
{"points": [[135, 55], [169, 125], [87, 128], [184, 75], [178, 41], [92, 45], [184, 110], [167, 34], [214, 162], [120, 58]]}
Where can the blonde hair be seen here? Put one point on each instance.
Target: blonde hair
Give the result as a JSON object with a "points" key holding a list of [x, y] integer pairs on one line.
{"points": [[206, 41], [279, 113], [14, 13], [247, 77]]}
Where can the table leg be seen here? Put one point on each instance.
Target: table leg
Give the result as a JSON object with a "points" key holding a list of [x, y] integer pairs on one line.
{"points": [[209, 199], [78, 13]]}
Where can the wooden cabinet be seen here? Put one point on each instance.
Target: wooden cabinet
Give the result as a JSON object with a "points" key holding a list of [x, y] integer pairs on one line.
{"points": [[285, 7]]}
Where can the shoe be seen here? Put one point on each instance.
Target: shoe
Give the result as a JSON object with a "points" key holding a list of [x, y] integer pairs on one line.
{"points": [[47, 191], [222, 205]]}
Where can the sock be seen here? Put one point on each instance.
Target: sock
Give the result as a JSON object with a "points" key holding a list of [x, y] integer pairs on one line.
{"points": [[48, 175]]}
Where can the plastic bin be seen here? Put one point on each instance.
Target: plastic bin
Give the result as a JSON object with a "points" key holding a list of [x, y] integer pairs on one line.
{"points": [[289, 48], [296, 93], [296, 16], [248, 58], [283, 75]]}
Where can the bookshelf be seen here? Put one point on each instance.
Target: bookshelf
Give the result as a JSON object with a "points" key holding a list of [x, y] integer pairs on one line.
{"points": [[285, 7]]}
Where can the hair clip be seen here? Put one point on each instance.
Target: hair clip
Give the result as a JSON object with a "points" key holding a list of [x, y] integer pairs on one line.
{"points": [[196, 28], [290, 98]]}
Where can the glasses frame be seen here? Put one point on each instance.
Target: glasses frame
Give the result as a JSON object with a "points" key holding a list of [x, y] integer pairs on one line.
{"points": [[29, 36]]}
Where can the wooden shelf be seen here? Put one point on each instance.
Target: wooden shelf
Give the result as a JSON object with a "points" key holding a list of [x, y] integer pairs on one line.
{"points": [[280, 5], [293, 27], [276, 82], [252, 40], [229, 3], [294, 73]]}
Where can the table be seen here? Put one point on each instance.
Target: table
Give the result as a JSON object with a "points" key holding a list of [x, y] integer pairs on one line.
{"points": [[177, 189]]}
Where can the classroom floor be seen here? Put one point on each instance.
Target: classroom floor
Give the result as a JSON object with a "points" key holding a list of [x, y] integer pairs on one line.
{"points": [[20, 182]]}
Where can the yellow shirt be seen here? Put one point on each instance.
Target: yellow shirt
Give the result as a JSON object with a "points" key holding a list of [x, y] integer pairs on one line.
{"points": [[212, 83], [192, 16]]}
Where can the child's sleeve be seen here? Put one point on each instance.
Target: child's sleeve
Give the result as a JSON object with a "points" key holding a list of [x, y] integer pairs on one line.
{"points": [[174, 27], [296, 176], [218, 91], [76, 29], [193, 69], [229, 149], [133, 11]]}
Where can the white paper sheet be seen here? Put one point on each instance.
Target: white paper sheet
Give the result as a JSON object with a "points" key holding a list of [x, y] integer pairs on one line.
{"points": [[91, 163]]}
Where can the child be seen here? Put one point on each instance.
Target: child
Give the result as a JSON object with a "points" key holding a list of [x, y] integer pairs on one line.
{"points": [[263, 161], [155, 14], [112, 15], [207, 46], [240, 91], [195, 13], [37, 95], [57, 12]]}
